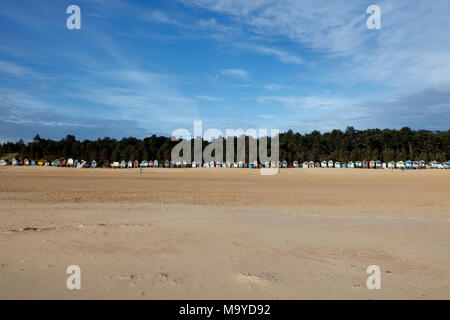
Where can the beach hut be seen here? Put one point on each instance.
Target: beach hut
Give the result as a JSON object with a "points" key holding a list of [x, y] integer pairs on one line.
{"points": [[311, 164], [14, 162], [408, 164], [358, 164], [106, 164], [69, 162], [250, 165], [40, 163], [372, 164], [323, 164], [93, 164], [211, 164], [3, 163], [144, 163], [46, 163], [421, 164], [317, 165], [305, 164], [447, 165], [415, 165], [32, 163], [123, 164], [255, 164], [205, 165], [80, 164], [53, 164], [224, 164], [330, 164], [155, 163], [284, 164], [57, 162], [218, 164], [378, 164], [337, 164], [351, 164], [241, 164], [295, 164], [391, 165], [400, 164], [433, 164], [21, 162], [130, 164], [365, 164], [136, 164], [229, 164], [115, 164], [343, 165], [384, 165], [194, 164], [26, 162], [267, 164], [150, 163]]}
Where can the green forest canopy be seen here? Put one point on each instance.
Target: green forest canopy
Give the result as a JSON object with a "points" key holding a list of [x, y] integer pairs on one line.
{"points": [[352, 144]]}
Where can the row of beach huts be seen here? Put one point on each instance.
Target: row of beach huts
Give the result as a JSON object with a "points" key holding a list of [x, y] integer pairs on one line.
{"points": [[273, 164]]}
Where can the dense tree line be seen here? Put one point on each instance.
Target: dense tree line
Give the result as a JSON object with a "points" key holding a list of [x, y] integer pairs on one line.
{"points": [[351, 144]]}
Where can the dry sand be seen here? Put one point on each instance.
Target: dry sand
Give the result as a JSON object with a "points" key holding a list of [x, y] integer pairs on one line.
{"points": [[224, 233]]}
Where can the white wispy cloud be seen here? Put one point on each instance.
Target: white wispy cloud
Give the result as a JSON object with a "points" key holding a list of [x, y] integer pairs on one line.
{"points": [[273, 87], [208, 98], [282, 55], [15, 69], [411, 49], [237, 73]]}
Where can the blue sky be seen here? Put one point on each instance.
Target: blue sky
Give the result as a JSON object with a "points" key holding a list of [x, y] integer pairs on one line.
{"points": [[138, 68]]}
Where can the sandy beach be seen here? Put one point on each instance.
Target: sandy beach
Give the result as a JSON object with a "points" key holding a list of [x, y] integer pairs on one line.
{"points": [[210, 233]]}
